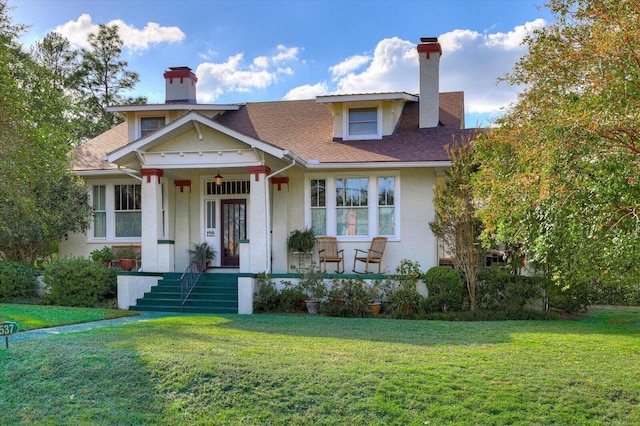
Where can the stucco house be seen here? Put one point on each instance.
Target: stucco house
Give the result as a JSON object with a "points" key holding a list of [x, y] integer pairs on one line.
{"points": [[241, 177]]}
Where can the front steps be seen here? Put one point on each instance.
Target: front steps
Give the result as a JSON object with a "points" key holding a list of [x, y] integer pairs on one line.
{"points": [[213, 294]]}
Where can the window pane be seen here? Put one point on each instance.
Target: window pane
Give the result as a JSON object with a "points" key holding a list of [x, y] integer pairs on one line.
{"points": [[363, 121], [319, 221], [353, 221], [128, 224], [386, 223], [318, 197], [352, 192], [385, 191], [127, 197], [149, 125], [99, 199], [99, 224]]}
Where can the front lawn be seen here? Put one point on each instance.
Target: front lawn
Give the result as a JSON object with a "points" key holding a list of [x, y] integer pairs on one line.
{"points": [[298, 369], [30, 317]]}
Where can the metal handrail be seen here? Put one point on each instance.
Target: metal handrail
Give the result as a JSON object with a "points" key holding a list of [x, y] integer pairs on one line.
{"points": [[192, 274]]}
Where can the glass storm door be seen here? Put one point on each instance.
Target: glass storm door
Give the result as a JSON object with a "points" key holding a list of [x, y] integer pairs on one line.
{"points": [[234, 229], [211, 231]]}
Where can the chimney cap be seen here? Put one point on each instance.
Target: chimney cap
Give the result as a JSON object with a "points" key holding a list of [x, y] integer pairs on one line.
{"points": [[184, 68], [429, 39]]}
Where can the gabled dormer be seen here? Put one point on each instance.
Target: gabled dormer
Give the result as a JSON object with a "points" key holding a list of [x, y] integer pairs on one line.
{"points": [[367, 116]]}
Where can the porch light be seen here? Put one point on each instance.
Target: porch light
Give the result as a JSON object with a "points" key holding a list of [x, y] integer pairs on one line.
{"points": [[218, 179]]}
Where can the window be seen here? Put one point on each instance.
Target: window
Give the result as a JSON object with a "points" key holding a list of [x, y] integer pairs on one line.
{"points": [[127, 211], [362, 122], [149, 125], [386, 208], [352, 210], [99, 212], [318, 206], [353, 207]]}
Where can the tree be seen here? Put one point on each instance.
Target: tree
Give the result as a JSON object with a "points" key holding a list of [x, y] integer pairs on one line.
{"points": [[39, 200], [456, 223], [560, 176], [101, 78]]}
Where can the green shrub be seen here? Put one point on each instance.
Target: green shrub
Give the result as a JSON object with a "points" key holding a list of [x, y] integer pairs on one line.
{"points": [[620, 294], [291, 297], [350, 298], [572, 298], [498, 289], [267, 297], [17, 280], [79, 282], [446, 289]]}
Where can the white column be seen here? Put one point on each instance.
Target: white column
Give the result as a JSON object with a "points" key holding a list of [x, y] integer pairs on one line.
{"points": [[258, 226], [182, 215], [151, 219]]}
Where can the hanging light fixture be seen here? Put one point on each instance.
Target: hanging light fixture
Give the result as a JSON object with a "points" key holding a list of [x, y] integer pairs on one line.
{"points": [[218, 179]]}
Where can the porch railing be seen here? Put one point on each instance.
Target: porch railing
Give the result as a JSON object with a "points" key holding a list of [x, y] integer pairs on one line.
{"points": [[191, 275]]}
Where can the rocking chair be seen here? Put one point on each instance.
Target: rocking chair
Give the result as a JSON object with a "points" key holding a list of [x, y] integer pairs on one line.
{"points": [[373, 255], [328, 252]]}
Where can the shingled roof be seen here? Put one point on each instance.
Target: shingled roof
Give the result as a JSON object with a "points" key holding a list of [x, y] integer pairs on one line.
{"points": [[305, 128]]}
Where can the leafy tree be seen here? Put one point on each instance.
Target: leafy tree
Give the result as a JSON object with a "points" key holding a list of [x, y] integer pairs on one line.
{"points": [[101, 78], [560, 176], [456, 223], [39, 201]]}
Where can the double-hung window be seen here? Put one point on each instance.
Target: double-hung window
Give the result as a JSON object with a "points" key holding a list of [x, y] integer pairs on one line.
{"points": [[362, 122], [127, 211], [354, 207], [99, 198], [149, 125]]}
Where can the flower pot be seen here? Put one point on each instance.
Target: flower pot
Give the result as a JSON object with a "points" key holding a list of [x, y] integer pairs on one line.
{"points": [[127, 264], [313, 306], [375, 308]]}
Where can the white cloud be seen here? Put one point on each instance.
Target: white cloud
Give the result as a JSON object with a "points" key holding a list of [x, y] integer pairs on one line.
{"points": [[471, 62], [132, 38], [307, 91], [235, 75]]}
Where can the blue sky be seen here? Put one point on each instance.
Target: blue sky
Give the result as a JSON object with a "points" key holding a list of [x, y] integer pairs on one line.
{"points": [[264, 50]]}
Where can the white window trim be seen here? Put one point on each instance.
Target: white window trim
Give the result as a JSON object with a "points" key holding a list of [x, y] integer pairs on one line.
{"points": [[111, 214], [345, 120], [140, 116], [331, 208]]}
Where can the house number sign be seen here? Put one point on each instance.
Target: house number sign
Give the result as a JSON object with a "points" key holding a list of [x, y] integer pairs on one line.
{"points": [[6, 329]]}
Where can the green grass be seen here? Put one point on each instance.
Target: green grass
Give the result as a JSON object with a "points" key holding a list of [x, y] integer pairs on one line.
{"points": [[298, 369], [30, 317]]}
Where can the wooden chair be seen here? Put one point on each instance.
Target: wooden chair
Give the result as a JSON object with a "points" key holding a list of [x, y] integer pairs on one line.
{"points": [[328, 252], [373, 255]]}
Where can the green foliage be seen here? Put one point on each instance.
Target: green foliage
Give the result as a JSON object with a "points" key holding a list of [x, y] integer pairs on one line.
{"points": [[105, 254], [572, 298], [301, 240], [267, 298], [17, 280], [79, 282], [126, 253], [456, 222], [290, 298], [351, 297], [500, 290], [312, 283], [620, 294], [446, 289], [559, 176]]}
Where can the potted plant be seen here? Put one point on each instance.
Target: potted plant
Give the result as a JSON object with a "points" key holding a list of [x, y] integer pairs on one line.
{"points": [[209, 254], [301, 241], [127, 257], [103, 255], [312, 285]]}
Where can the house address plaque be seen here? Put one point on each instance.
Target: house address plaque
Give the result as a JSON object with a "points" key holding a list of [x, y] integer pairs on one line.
{"points": [[6, 329]]}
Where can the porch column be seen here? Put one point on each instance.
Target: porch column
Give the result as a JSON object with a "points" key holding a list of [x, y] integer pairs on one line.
{"points": [[152, 220], [183, 194], [258, 226]]}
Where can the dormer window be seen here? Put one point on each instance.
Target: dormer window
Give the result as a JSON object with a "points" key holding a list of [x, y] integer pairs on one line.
{"points": [[149, 125], [362, 122]]}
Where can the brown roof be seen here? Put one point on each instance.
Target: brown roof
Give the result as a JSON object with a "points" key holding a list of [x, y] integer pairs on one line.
{"points": [[89, 156], [306, 129]]}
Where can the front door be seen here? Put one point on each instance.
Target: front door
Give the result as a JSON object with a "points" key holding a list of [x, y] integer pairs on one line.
{"points": [[233, 229]]}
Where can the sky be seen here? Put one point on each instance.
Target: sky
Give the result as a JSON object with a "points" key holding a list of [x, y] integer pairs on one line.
{"points": [[268, 50]]}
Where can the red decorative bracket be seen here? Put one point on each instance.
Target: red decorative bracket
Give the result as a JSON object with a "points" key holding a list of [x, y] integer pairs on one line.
{"points": [[256, 170], [152, 172], [279, 181], [182, 184]]}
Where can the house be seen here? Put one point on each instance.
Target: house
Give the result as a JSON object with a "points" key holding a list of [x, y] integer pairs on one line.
{"points": [[241, 177]]}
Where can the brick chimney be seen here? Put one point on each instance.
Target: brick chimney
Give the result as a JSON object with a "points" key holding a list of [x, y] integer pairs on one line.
{"points": [[429, 52], [180, 85]]}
